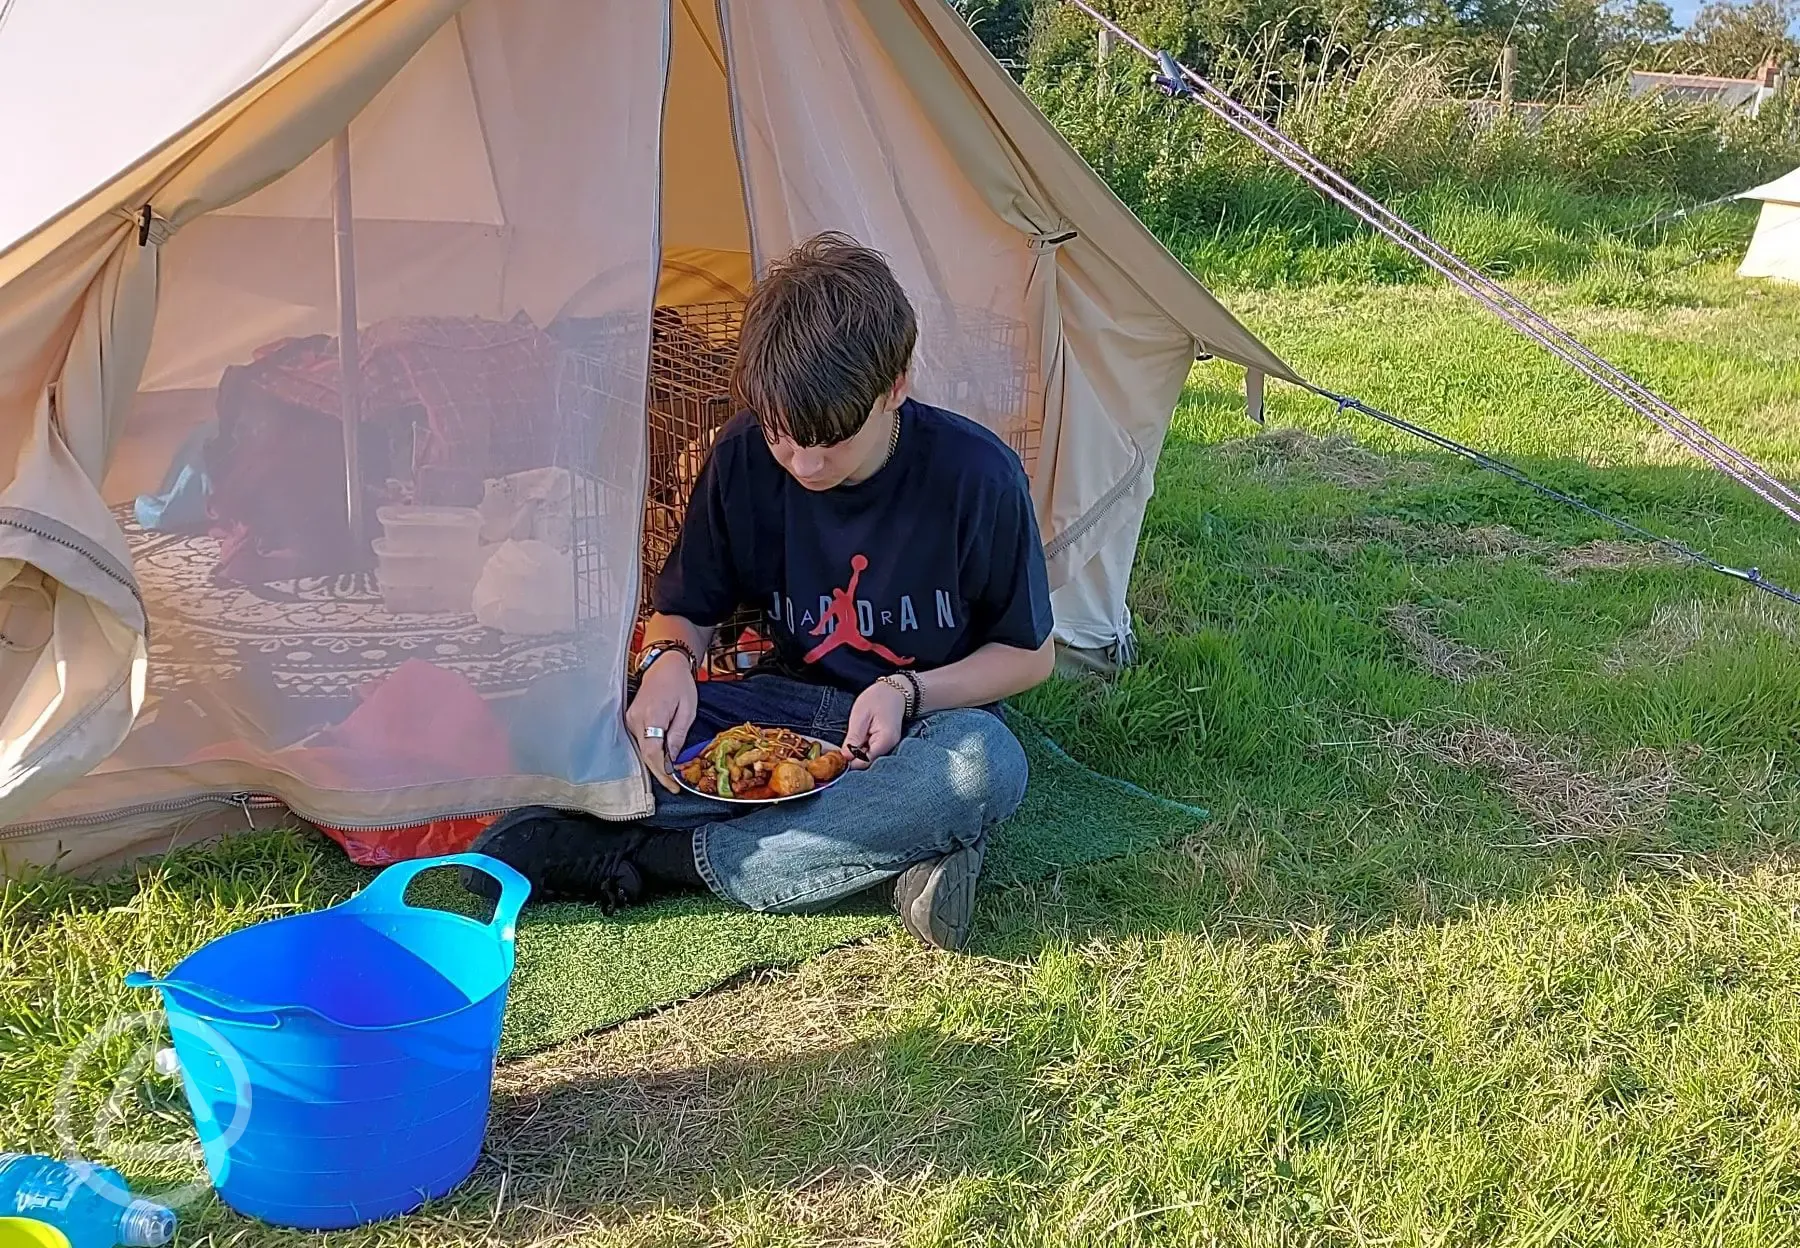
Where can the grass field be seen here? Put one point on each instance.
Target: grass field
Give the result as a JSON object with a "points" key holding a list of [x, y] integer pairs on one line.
{"points": [[1493, 940]]}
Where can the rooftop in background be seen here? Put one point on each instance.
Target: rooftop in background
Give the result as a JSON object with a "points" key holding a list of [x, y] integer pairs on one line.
{"points": [[1740, 93]]}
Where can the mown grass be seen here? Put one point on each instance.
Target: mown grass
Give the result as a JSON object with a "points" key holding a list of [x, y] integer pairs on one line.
{"points": [[1493, 940]]}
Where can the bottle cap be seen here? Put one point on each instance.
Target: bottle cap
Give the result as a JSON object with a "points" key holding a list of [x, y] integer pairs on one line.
{"points": [[146, 1224]]}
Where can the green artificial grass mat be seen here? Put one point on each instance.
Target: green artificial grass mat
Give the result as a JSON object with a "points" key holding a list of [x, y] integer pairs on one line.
{"points": [[580, 970]]}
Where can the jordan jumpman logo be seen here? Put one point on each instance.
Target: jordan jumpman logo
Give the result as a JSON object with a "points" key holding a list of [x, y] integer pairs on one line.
{"points": [[843, 614]]}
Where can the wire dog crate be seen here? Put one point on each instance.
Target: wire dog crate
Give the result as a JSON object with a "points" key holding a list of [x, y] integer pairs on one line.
{"points": [[688, 388], [692, 350]]}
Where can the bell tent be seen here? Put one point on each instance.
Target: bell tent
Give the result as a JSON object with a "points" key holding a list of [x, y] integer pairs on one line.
{"points": [[1774, 249], [356, 357]]}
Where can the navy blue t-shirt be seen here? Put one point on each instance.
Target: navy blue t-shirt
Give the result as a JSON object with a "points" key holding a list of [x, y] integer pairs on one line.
{"points": [[928, 560]]}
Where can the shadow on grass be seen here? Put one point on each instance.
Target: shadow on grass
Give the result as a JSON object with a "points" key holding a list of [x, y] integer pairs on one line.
{"points": [[831, 1138], [890, 1111]]}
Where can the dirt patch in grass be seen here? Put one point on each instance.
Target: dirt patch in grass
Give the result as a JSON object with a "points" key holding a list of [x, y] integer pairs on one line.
{"points": [[1609, 556], [1678, 629], [1564, 798], [1440, 543], [1337, 458], [1486, 541], [1448, 659], [1433, 542]]}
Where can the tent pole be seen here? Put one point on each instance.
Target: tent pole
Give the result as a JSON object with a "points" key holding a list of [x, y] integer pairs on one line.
{"points": [[349, 350]]}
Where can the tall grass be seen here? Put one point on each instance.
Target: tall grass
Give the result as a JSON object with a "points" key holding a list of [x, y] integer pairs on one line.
{"points": [[1539, 193], [1274, 234]]}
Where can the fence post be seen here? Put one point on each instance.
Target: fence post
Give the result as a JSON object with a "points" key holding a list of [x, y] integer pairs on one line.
{"points": [[1105, 53], [1509, 66]]}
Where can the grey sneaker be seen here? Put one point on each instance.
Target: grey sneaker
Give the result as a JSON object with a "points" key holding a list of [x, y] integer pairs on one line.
{"points": [[936, 899]]}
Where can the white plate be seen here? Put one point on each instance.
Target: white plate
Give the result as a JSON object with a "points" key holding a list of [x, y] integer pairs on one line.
{"points": [[759, 801]]}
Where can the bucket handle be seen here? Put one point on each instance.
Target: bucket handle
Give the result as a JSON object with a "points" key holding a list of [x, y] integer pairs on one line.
{"points": [[387, 891], [237, 1010]]}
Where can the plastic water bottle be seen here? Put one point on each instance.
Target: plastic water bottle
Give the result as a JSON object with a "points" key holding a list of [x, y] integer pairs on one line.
{"points": [[58, 1192]]}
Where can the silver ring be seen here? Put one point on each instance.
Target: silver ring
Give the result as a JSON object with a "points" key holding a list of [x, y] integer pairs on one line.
{"points": [[653, 733]]}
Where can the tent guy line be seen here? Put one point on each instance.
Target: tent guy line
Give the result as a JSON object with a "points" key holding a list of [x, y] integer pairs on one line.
{"points": [[1181, 82], [1752, 576]]}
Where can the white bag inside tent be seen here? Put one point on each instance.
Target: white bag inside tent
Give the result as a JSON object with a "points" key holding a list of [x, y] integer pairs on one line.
{"points": [[1774, 249], [529, 225]]}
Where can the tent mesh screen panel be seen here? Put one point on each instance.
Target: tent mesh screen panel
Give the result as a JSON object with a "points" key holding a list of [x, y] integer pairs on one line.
{"points": [[587, 381], [692, 349], [972, 360]]}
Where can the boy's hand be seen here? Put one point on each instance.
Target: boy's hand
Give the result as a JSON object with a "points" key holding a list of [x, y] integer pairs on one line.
{"points": [[877, 721], [667, 698]]}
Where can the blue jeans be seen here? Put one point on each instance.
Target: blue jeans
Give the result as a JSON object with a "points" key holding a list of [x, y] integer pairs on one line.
{"points": [[955, 775]]}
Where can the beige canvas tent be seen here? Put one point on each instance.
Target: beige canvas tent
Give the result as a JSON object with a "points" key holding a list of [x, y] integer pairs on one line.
{"points": [[290, 291], [1774, 249]]}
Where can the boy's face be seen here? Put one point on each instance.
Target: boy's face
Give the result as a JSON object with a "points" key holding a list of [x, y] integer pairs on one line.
{"points": [[855, 459]]}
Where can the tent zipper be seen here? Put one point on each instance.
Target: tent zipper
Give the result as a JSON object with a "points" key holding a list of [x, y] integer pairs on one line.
{"points": [[1089, 518], [410, 823], [244, 801], [247, 802]]}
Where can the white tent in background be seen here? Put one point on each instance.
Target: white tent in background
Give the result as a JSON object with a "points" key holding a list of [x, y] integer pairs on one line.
{"points": [[1775, 247], [524, 226]]}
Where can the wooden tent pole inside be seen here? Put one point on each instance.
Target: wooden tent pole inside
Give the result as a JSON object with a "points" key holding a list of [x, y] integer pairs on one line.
{"points": [[349, 349]]}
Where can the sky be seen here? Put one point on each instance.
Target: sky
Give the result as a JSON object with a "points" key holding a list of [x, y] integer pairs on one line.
{"points": [[1684, 11]]}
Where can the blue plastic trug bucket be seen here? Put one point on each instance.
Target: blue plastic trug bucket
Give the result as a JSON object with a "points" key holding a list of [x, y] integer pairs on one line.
{"points": [[339, 1063]]}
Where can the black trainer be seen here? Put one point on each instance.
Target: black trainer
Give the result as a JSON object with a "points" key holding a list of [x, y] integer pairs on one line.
{"points": [[567, 856], [936, 899]]}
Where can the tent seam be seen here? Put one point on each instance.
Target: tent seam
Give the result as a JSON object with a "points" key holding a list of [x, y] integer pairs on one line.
{"points": [[29, 762], [1088, 519]]}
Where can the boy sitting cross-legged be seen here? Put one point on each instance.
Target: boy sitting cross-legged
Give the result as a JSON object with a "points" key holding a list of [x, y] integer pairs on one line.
{"points": [[894, 550]]}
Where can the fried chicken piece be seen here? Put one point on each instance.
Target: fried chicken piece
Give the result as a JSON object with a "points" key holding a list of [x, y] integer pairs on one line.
{"points": [[791, 778], [828, 766]]}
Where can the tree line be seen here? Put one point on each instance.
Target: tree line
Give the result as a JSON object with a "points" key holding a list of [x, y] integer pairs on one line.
{"points": [[1562, 46]]}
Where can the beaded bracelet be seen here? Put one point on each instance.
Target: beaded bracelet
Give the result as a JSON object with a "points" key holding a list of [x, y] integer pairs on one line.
{"points": [[906, 692]]}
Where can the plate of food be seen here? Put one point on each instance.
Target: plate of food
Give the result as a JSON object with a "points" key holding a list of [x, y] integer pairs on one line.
{"points": [[754, 766]]}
